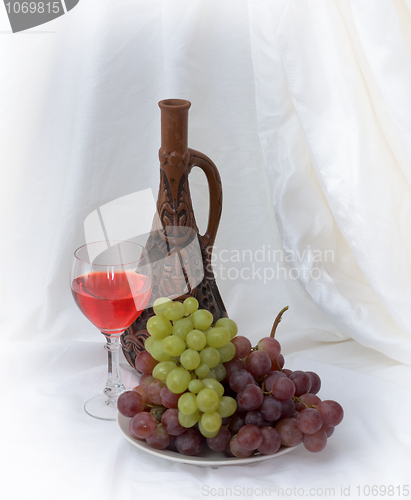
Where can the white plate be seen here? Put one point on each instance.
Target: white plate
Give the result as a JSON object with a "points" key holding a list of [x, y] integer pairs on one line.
{"points": [[206, 458]]}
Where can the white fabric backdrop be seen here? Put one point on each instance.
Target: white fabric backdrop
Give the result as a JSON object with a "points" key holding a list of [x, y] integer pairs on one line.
{"points": [[304, 107], [334, 105]]}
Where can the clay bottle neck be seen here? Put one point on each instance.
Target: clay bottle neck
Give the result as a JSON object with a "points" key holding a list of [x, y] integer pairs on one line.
{"points": [[174, 125], [174, 202]]}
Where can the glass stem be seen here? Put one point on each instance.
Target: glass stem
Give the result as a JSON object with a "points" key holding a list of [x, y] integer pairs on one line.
{"points": [[114, 384]]}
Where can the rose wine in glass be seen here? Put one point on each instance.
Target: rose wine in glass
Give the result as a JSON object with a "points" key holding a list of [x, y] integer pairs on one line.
{"points": [[111, 284]]}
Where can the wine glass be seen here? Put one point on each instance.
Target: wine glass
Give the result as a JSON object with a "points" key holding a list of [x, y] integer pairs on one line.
{"points": [[111, 283]]}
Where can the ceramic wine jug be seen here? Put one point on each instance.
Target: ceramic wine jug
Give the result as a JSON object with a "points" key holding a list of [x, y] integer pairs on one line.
{"points": [[181, 257]]}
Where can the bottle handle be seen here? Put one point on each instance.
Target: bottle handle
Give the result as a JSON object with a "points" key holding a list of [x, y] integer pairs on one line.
{"points": [[202, 161]]}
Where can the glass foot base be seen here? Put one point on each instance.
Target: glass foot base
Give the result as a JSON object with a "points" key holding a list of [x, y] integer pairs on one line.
{"points": [[97, 407]]}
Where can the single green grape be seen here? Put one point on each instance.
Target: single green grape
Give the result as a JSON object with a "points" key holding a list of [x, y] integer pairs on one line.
{"points": [[202, 371], [148, 343], [196, 340], [159, 327], [227, 352], [227, 406], [173, 346], [207, 400], [190, 359], [157, 351], [188, 420], [211, 421], [229, 324], [213, 384], [220, 372], [187, 403], [190, 305], [182, 327], [210, 356], [177, 380], [211, 374], [205, 433], [161, 370], [159, 304], [195, 386], [174, 310], [202, 319], [218, 337]]}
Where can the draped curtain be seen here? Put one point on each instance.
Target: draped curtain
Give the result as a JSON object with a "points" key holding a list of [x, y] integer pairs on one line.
{"points": [[333, 96]]}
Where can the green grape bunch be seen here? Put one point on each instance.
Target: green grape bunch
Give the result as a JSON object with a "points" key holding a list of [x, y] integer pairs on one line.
{"points": [[190, 352]]}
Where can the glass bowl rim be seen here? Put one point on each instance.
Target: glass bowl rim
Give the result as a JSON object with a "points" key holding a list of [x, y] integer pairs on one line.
{"points": [[144, 250]]}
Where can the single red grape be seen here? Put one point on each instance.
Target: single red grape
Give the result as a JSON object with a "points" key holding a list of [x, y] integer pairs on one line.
{"points": [[168, 398], [270, 346], [302, 382], [145, 362], [237, 450], [130, 403], [232, 366], [250, 437], [160, 439], [170, 422], [331, 412], [315, 382], [258, 364], [190, 442], [269, 381], [289, 432], [254, 417], [221, 441], [271, 441], [154, 390], [271, 409], [240, 379], [309, 421], [283, 388], [250, 397], [242, 346], [315, 442], [143, 425]]}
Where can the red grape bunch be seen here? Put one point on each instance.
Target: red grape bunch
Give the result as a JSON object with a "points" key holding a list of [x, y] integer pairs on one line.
{"points": [[203, 385]]}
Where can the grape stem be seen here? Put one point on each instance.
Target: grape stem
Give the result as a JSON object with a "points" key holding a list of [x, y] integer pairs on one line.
{"points": [[299, 400], [277, 320], [155, 410], [267, 393]]}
